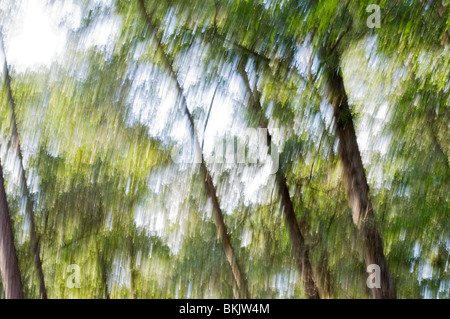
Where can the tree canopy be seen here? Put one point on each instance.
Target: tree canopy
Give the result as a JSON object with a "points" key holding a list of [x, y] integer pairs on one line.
{"points": [[120, 149]]}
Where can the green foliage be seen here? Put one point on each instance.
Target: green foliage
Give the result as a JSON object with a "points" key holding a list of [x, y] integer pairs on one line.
{"points": [[108, 198]]}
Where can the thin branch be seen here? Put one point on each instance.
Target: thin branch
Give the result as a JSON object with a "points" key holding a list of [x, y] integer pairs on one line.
{"points": [[207, 117]]}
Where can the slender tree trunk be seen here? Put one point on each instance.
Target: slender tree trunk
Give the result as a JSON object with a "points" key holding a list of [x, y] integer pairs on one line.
{"points": [[323, 281], [298, 242], [35, 249], [239, 279], [101, 260], [438, 145], [222, 230], [102, 268], [301, 249], [9, 265], [357, 187], [133, 271]]}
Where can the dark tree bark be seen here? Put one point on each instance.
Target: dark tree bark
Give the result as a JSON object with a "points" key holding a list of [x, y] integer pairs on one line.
{"points": [[35, 249], [9, 264], [301, 250], [300, 247], [239, 279], [223, 233], [357, 187], [101, 262]]}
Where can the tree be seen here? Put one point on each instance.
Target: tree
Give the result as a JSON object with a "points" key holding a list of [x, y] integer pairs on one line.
{"points": [[23, 181], [357, 108], [206, 177], [9, 265], [300, 248]]}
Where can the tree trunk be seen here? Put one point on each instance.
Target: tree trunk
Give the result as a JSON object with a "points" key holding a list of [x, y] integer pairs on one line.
{"points": [[35, 249], [239, 278], [102, 269], [357, 188], [226, 240], [298, 242], [301, 249], [323, 276], [9, 265]]}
